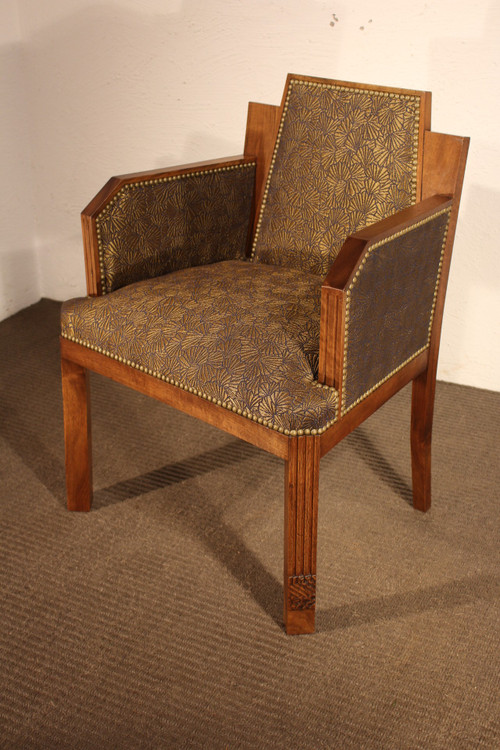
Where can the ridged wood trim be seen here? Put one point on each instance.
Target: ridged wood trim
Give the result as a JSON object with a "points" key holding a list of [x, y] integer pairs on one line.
{"points": [[301, 506]]}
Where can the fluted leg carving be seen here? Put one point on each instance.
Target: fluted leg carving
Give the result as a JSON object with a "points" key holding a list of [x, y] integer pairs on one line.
{"points": [[76, 407], [301, 523]]}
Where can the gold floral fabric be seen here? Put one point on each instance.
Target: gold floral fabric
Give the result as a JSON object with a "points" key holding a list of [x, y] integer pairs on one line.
{"points": [[156, 226], [242, 334], [344, 158], [390, 306]]}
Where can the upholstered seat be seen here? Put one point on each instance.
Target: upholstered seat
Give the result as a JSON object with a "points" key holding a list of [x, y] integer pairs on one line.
{"points": [[283, 295], [241, 334]]}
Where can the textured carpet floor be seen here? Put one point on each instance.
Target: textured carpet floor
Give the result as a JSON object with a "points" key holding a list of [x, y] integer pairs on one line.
{"points": [[154, 621]]}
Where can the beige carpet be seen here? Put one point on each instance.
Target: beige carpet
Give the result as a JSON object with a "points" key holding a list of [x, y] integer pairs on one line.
{"points": [[155, 620]]}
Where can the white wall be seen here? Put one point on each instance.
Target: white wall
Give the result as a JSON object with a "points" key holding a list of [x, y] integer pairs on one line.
{"points": [[19, 271], [124, 85]]}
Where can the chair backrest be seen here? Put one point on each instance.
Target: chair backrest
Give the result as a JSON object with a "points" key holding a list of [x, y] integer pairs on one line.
{"points": [[346, 156]]}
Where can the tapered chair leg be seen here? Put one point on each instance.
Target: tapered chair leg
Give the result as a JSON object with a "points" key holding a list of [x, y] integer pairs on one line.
{"points": [[76, 407], [301, 524], [422, 412]]}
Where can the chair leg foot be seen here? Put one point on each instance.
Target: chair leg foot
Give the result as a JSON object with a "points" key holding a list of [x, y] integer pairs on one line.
{"points": [[422, 411], [76, 407], [301, 523]]}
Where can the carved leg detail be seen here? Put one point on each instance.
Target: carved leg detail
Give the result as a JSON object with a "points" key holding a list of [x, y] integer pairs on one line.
{"points": [[301, 523], [76, 407], [422, 412]]}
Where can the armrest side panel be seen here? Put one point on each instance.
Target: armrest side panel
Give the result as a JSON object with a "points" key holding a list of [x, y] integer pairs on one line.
{"points": [[149, 225], [390, 304]]}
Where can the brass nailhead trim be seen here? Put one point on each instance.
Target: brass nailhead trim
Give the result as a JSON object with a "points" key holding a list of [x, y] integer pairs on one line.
{"points": [[205, 396], [154, 181], [343, 409], [350, 89]]}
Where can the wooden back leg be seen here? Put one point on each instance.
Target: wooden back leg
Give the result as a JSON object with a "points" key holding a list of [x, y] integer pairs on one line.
{"points": [[301, 524], [77, 438], [422, 412]]}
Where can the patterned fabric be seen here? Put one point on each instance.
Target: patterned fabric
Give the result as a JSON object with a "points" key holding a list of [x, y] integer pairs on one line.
{"points": [[242, 334], [345, 158], [390, 306], [151, 228]]}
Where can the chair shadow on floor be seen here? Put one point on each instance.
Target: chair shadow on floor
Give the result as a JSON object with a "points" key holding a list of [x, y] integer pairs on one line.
{"points": [[223, 542], [205, 520]]}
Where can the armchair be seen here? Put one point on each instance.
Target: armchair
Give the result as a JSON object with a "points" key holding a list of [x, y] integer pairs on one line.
{"points": [[283, 295]]}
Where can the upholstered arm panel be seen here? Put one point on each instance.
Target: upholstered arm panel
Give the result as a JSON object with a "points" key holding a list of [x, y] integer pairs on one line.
{"points": [[390, 305], [176, 220]]}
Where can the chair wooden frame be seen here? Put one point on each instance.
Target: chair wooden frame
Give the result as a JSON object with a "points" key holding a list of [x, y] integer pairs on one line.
{"points": [[440, 175]]}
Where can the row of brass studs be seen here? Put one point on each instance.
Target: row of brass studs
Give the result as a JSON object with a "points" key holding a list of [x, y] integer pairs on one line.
{"points": [[312, 84], [394, 236], [194, 391], [154, 181]]}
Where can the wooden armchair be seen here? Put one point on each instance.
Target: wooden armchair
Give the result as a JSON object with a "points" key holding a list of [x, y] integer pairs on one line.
{"points": [[283, 295]]}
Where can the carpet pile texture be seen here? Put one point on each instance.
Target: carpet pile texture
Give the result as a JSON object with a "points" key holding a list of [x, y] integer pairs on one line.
{"points": [[154, 621]]}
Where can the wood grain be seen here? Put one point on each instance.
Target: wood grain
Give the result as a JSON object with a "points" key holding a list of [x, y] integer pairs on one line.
{"points": [[301, 529], [77, 435], [444, 168], [262, 128]]}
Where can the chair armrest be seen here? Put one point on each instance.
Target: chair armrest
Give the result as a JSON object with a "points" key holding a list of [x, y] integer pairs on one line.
{"points": [[378, 299], [150, 223]]}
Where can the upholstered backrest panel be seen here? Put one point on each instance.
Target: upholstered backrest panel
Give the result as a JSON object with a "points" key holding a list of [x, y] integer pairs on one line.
{"points": [[157, 226], [344, 158]]}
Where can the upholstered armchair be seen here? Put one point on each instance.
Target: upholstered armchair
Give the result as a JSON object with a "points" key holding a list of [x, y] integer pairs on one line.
{"points": [[283, 295]]}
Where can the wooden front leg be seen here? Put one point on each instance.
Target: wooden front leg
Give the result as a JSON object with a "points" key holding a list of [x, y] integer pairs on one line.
{"points": [[301, 524], [76, 407]]}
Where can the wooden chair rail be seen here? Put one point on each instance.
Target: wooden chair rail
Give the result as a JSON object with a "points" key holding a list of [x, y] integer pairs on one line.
{"points": [[262, 437]]}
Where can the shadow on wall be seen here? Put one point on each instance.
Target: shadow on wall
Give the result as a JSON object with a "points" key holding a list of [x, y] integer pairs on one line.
{"points": [[19, 282]]}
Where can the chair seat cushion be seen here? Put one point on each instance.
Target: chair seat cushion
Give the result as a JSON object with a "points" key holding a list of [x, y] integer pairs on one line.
{"points": [[241, 334]]}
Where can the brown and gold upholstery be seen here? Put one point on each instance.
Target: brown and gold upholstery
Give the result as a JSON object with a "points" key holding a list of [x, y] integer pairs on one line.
{"points": [[242, 335], [390, 306], [156, 226], [345, 157]]}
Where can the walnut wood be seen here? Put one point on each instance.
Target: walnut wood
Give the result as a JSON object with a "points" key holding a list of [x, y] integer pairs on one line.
{"points": [[77, 435], [331, 344], [112, 187], [262, 128], [444, 167], [301, 524], [252, 432]]}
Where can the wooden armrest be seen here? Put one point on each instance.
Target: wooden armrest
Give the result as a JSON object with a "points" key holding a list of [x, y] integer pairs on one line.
{"points": [[355, 247], [118, 188], [363, 254]]}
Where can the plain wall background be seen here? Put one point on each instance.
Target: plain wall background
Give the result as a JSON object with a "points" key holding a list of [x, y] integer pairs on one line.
{"points": [[91, 89]]}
